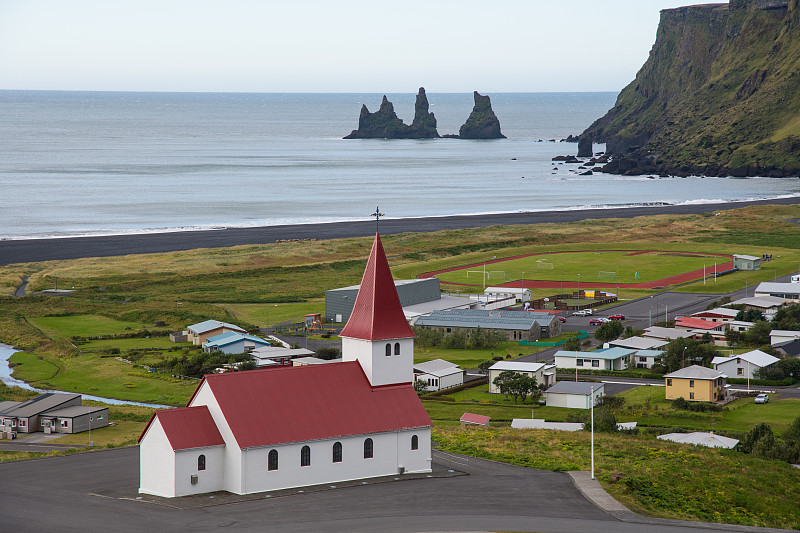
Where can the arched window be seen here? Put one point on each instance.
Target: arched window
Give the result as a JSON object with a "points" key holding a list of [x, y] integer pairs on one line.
{"points": [[201, 462], [305, 456], [272, 460], [414, 442], [337, 452], [388, 349], [368, 451], [397, 348]]}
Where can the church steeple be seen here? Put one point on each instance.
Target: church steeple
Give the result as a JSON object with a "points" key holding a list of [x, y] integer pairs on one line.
{"points": [[377, 334], [377, 313]]}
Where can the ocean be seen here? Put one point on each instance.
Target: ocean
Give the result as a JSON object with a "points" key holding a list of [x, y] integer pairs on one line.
{"points": [[98, 163]]}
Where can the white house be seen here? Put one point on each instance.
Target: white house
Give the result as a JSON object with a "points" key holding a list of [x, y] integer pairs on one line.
{"points": [[787, 291], [439, 374], [768, 305], [608, 359], [719, 314], [638, 343], [743, 365], [666, 334], [198, 333], [284, 427], [545, 374], [777, 336], [574, 394]]}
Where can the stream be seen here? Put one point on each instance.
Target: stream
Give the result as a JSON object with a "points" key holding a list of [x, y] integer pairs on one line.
{"points": [[5, 376]]}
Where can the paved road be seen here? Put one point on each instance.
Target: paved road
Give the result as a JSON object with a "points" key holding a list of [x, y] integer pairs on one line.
{"points": [[81, 492], [21, 251]]}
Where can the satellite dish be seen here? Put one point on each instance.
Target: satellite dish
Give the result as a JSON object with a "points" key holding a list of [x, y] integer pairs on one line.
{"points": [[547, 299]]}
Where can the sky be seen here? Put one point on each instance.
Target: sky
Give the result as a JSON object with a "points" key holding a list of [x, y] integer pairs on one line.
{"points": [[325, 46]]}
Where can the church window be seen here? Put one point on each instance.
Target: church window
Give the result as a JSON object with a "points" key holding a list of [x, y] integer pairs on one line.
{"points": [[414, 442], [305, 456], [397, 348], [368, 451], [388, 349], [272, 460], [337, 452], [201, 462]]}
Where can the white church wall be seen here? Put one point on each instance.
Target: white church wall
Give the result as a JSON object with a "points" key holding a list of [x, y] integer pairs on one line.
{"points": [[380, 368], [232, 477], [156, 463], [385, 461], [414, 461], [209, 480]]}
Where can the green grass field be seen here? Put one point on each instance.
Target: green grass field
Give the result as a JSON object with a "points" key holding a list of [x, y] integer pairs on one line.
{"points": [[267, 315], [469, 358], [82, 325], [586, 267]]}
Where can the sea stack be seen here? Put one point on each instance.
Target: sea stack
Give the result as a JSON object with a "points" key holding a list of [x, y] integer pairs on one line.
{"points": [[585, 146], [385, 124], [424, 125], [482, 123]]}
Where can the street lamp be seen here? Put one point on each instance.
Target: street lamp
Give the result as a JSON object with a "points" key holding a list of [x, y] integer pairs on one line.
{"points": [[591, 400], [684, 357], [523, 290]]}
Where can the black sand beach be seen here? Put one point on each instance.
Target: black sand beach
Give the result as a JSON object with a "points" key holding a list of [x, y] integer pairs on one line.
{"points": [[32, 250]]}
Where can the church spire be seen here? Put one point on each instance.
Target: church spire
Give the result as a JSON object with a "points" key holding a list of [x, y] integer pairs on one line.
{"points": [[377, 313]]}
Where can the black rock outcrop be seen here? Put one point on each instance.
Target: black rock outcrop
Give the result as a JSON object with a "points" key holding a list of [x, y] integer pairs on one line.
{"points": [[585, 146], [482, 123], [385, 124]]}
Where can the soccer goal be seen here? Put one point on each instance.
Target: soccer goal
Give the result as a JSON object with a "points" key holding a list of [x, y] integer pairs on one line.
{"points": [[604, 274], [541, 265], [496, 274], [481, 272]]}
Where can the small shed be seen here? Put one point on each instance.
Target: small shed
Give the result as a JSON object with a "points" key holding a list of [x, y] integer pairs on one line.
{"points": [[574, 394], [470, 419], [746, 262]]}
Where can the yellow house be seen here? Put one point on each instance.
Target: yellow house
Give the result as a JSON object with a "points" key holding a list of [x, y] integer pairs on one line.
{"points": [[695, 384]]}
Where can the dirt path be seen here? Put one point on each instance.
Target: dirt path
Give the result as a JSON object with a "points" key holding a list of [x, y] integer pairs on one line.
{"points": [[20, 292]]}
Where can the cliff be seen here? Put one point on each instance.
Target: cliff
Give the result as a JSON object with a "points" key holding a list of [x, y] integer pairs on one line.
{"points": [[385, 124], [482, 123], [718, 95]]}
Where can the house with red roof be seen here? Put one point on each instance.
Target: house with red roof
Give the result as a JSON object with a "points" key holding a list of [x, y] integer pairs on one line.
{"points": [[271, 429]]}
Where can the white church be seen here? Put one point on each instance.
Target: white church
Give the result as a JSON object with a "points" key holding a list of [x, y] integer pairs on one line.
{"points": [[285, 427]]}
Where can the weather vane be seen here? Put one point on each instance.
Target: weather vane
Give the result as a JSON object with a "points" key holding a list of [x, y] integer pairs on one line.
{"points": [[377, 214]]}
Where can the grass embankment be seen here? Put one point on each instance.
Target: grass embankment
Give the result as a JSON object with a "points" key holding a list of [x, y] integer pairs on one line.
{"points": [[471, 358], [650, 476], [268, 315]]}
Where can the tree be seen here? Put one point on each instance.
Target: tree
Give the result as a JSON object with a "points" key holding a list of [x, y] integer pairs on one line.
{"points": [[521, 385], [732, 337], [502, 380], [787, 318], [609, 331], [758, 334], [681, 352], [420, 385], [484, 366], [707, 338], [573, 344], [749, 315], [759, 432]]}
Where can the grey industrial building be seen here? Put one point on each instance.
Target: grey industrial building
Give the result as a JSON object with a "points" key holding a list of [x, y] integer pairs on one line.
{"points": [[339, 302], [517, 325], [51, 413]]}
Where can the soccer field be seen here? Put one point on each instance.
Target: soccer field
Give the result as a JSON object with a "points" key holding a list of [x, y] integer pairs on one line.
{"points": [[588, 267]]}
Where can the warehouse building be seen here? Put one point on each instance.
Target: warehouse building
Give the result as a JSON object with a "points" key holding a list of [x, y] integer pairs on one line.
{"points": [[339, 302]]}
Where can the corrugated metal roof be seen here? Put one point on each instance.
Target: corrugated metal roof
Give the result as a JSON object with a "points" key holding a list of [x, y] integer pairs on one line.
{"points": [[609, 354], [698, 323], [187, 427], [718, 311], [778, 287], [695, 372], [658, 332], [701, 438], [301, 403], [574, 387], [754, 357], [639, 343], [73, 411], [517, 366], [472, 418], [496, 319], [232, 337], [434, 364], [209, 325], [46, 402], [377, 313]]}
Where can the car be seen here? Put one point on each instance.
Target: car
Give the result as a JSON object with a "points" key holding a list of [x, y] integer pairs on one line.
{"points": [[617, 317], [762, 398], [597, 321], [562, 319], [582, 312]]}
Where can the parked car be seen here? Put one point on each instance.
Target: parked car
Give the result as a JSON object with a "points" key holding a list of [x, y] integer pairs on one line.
{"points": [[762, 398], [583, 312], [617, 317], [562, 319], [597, 321]]}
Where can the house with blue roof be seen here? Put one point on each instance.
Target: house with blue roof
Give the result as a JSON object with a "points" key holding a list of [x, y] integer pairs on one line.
{"points": [[232, 342]]}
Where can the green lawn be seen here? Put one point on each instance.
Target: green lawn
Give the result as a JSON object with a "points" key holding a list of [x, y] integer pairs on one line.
{"points": [[740, 415], [588, 265], [266, 315], [470, 358], [83, 325], [106, 377], [131, 344]]}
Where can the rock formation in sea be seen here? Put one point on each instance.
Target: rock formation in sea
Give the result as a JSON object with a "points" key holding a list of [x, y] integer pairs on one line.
{"points": [[719, 95], [385, 124], [482, 123], [585, 146]]}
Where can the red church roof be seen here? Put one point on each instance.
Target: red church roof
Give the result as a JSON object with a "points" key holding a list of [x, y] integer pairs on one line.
{"points": [[377, 313], [188, 427], [290, 404]]}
